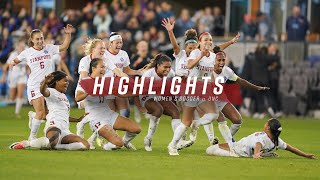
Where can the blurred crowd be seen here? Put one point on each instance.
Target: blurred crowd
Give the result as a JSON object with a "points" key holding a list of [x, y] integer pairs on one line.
{"points": [[144, 37]]}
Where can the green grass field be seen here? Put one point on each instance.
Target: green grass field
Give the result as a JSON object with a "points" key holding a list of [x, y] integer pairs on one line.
{"points": [[192, 163]]}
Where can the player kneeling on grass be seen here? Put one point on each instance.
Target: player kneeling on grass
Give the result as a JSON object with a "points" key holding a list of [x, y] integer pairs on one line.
{"points": [[258, 144]]}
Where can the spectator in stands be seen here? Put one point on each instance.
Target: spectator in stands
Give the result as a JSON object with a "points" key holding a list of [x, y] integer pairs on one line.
{"points": [[142, 56], [183, 23], [297, 25], [266, 29], [23, 16], [165, 11], [218, 22], [53, 23], [6, 45], [206, 20], [249, 29], [102, 19], [148, 20]]}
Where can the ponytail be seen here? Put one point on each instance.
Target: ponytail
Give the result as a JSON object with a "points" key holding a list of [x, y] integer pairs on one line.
{"points": [[275, 129]]}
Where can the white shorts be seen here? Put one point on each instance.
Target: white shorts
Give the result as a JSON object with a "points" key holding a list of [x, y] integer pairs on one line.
{"points": [[98, 121], [144, 98], [13, 81], [193, 103], [62, 125], [221, 104], [240, 149], [33, 93]]}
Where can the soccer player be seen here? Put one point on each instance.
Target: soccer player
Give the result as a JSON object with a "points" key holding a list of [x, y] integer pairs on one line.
{"points": [[258, 144], [39, 59], [121, 60], [17, 78], [103, 120]]}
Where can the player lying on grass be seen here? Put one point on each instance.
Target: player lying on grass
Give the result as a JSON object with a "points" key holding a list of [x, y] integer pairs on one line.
{"points": [[258, 144], [58, 135]]}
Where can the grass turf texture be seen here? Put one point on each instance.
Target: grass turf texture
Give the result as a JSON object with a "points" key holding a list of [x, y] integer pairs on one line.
{"points": [[192, 163]]}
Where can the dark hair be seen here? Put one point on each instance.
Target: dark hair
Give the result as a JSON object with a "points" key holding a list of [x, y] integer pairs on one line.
{"points": [[30, 43], [191, 34], [57, 76], [113, 34], [94, 62], [159, 59], [217, 50], [275, 128]]}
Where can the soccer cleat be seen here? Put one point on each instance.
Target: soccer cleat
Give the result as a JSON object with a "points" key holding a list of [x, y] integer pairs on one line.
{"points": [[147, 144], [130, 146], [270, 154], [99, 141], [91, 145], [109, 147], [183, 144], [172, 151], [193, 134], [30, 119], [18, 145], [214, 141], [80, 129]]}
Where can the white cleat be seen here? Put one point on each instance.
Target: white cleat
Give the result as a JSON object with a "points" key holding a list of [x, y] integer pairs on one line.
{"points": [[183, 144], [193, 134], [18, 145], [130, 146], [172, 151], [147, 144], [80, 130], [109, 147], [214, 141]]}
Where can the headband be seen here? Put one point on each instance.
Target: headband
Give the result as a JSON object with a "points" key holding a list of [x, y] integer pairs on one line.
{"points": [[115, 37], [191, 41]]}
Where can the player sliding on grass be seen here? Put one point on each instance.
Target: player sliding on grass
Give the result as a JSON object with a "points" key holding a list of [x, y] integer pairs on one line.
{"points": [[103, 120], [258, 144], [58, 135]]}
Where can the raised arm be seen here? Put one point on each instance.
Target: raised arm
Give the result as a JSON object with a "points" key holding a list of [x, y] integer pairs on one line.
{"points": [[169, 27], [193, 62], [299, 152], [119, 73], [44, 85], [80, 95], [232, 41], [247, 84], [127, 70], [67, 39]]}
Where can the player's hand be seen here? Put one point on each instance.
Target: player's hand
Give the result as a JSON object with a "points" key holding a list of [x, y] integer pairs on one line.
{"points": [[260, 88], [257, 155], [166, 23], [11, 65], [311, 156], [236, 38], [48, 79], [68, 29]]}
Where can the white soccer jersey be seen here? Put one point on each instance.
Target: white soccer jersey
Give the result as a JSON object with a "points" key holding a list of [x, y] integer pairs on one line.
{"points": [[181, 64], [245, 147], [17, 70], [39, 61], [227, 73], [56, 60], [205, 66], [58, 106], [152, 73], [120, 60], [84, 65]]}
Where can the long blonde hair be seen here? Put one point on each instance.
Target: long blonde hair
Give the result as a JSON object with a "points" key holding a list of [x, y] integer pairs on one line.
{"points": [[90, 44]]}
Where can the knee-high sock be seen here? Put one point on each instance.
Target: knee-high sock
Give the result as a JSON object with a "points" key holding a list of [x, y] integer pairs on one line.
{"points": [[234, 128], [19, 102], [175, 123], [125, 112], [71, 146], [34, 128], [137, 116], [178, 133], [128, 137], [225, 131], [38, 143], [208, 118], [93, 137], [84, 121], [214, 150], [154, 121], [209, 131]]}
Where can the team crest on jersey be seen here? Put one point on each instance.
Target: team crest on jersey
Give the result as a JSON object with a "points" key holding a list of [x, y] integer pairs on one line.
{"points": [[121, 59], [45, 51]]}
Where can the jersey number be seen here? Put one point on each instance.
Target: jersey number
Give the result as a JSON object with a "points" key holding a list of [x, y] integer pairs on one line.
{"points": [[32, 93], [41, 65]]}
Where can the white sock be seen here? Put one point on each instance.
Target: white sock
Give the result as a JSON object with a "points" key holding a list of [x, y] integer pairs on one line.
{"points": [[19, 102], [128, 137], [208, 118], [195, 124], [109, 146], [154, 121], [214, 150], [34, 128], [209, 131], [71, 146], [125, 112], [136, 113], [196, 115], [38, 143], [225, 131], [93, 137], [234, 128], [84, 121], [175, 123], [178, 133]]}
